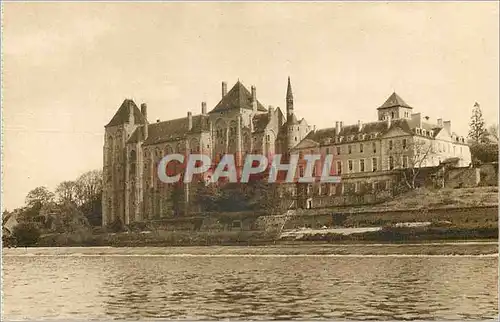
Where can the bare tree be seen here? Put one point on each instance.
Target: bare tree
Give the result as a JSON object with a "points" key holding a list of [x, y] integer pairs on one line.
{"points": [[66, 191], [88, 195], [411, 157]]}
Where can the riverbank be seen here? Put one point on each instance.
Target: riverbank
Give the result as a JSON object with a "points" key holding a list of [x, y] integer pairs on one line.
{"points": [[473, 248], [395, 235]]}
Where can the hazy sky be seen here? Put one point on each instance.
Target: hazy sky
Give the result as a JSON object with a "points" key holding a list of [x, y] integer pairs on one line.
{"points": [[68, 66]]}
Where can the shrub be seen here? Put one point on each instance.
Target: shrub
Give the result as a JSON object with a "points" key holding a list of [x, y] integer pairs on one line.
{"points": [[26, 234]]}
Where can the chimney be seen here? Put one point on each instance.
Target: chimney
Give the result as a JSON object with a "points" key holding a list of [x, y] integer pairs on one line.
{"points": [[447, 126], [157, 120], [254, 98], [190, 121], [440, 122], [270, 110], [337, 127], [360, 125], [204, 108], [224, 89], [144, 110], [130, 113], [389, 121], [341, 125], [416, 119]]}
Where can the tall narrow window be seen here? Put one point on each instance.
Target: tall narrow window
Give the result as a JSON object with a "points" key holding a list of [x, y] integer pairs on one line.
{"points": [[338, 150], [391, 162], [361, 148], [374, 147], [339, 167], [404, 144], [349, 149], [390, 145], [362, 165], [350, 165], [405, 161], [374, 164]]}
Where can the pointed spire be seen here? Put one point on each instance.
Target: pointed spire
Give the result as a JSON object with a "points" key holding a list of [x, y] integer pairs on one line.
{"points": [[289, 93], [289, 100]]}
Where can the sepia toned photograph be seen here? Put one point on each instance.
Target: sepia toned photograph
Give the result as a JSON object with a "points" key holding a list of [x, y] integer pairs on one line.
{"points": [[198, 161]]}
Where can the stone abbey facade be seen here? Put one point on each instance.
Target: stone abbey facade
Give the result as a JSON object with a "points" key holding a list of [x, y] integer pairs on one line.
{"points": [[239, 123], [133, 146]]}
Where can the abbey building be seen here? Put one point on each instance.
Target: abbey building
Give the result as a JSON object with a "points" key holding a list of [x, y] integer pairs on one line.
{"points": [[365, 153], [238, 124]]}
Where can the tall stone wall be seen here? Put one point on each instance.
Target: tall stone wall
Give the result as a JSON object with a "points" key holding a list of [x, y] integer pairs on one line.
{"points": [[462, 178]]}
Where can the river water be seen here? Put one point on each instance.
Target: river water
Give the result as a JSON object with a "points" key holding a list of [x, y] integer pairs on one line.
{"points": [[227, 283]]}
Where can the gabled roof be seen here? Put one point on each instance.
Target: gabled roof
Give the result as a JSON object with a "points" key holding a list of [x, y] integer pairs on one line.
{"points": [[122, 115], [393, 101], [237, 97], [171, 130], [260, 122]]}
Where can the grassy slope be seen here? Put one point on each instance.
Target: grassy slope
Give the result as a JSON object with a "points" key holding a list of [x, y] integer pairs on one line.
{"points": [[426, 199]]}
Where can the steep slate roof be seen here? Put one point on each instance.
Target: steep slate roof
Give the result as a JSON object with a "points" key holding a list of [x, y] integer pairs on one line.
{"points": [[122, 115], [260, 122], [237, 97], [292, 120], [368, 128], [171, 130], [394, 100]]}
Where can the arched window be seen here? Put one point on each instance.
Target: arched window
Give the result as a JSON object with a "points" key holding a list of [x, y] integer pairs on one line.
{"points": [[133, 156], [109, 149], [194, 146], [132, 159]]}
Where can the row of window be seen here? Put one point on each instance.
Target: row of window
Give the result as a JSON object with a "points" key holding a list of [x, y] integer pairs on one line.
{"points": [[326, 189], [363, 165]]}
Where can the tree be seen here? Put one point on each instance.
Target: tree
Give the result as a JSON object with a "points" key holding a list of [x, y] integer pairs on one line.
{"points": [[412, 159], [66, 191], [35, 200], [477, 131], [484, 152], [493, 133], [88, 195], [26, 234], [38, 197]]}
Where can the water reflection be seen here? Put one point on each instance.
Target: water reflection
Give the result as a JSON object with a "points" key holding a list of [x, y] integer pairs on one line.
{"points": [[260, 288]]}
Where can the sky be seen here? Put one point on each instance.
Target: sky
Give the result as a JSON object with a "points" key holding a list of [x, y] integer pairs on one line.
{"points": [[67, 67]]}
